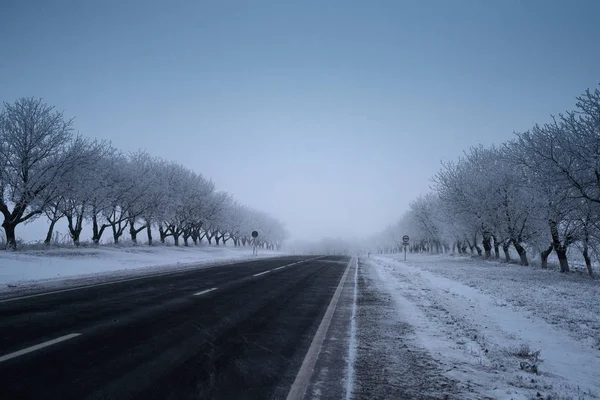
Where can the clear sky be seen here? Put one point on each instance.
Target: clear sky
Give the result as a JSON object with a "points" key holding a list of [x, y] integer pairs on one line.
{"points": [[331, 115]]}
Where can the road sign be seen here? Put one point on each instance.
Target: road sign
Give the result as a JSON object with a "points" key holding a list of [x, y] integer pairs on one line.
{"points": [[405, 240], [254, 236]]}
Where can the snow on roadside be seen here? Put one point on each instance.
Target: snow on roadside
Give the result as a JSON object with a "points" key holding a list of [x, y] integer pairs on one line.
{"points": [[484, 339], [35, 269], [568, 302]]}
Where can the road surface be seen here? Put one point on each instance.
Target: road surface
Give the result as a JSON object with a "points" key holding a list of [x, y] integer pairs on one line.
{"points": [[235, 331]]}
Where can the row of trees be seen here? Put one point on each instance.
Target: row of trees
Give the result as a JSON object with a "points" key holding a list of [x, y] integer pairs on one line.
{"points": [[538, 192], [46, 170]]}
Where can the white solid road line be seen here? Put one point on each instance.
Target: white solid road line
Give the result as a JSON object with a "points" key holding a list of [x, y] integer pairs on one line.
{"points": [[352, 342], [38, 346], [283, 266], [302, 380], [204, 291], [262, 273]]}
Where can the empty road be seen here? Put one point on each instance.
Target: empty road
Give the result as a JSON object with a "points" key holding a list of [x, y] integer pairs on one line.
{"points": [[233, 331]]}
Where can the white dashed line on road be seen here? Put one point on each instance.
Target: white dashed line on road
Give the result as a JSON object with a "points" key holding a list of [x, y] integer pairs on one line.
{"points": [[204, 291], [38, 347]]}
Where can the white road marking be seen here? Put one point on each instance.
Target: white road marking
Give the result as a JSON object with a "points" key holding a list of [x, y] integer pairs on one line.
{"points": [[179, 271], [38, 346], [302, 380], [352, 342], [287, 265], [137, 278], [204, 291]]}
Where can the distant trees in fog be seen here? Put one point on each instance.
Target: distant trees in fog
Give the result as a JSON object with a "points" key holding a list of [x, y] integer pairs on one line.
{"points": [[539, 192], [46, 170]]}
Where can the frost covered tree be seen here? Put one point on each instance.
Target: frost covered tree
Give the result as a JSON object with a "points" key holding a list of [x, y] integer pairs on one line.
{"points": [[37, 150], [540, 192], [563, 159], [144, 194], [485, 193], [189, 194], [74, 188]]}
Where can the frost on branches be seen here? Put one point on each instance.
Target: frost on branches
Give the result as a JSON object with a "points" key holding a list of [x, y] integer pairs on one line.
{"points": [[45, 170], [537, 194]]}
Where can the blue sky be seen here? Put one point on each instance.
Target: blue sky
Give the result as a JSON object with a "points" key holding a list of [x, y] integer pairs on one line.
{"points": [[331, 115]]}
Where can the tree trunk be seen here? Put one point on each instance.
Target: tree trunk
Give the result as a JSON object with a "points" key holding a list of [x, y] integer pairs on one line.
{"points": [[176, 238], [50, 232], [559, 248], [476, 246], [75, 230], [162, 233], [217, 238], [471, 248], [75, 235], [118, 230], [544, 256], [149, 230], [496, 247], [522, 253], [11, 240], [561, 253], [586, 256], [186, 242], [506, 250], [116, 234], [487, 245], [95, 229], [133, 233]]}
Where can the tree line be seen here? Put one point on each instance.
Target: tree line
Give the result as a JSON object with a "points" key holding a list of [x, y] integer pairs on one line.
{"points": [[48, 171], [538, 192]]}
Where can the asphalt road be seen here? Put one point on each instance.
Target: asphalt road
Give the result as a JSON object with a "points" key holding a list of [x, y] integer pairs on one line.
{"points": [[169, 337]]}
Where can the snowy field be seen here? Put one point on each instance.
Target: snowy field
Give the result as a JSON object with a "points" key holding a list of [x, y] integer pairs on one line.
{"points": [[497, 330], [31, 270]]}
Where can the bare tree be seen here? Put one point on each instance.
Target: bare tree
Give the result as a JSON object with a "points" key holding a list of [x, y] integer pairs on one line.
{"points": [[37, 151]]}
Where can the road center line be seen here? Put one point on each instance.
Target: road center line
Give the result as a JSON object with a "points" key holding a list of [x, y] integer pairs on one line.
{"points": [[38, 347], [204, 291], [302, 380], [283, 266], [262, 273], [179, 271]]}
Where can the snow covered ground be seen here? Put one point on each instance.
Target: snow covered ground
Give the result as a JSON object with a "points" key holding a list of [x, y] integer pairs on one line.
{"points": [[31, 270], [497, 330]]}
